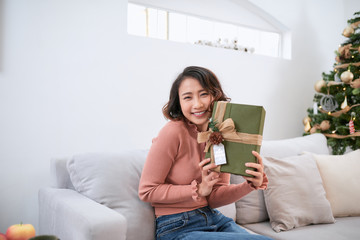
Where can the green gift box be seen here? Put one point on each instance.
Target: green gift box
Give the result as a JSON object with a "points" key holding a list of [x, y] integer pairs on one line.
{"points": [[246, 137]]}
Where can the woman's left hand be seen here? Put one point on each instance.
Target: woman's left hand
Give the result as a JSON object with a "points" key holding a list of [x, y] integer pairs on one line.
{"points": [[257, 180]]}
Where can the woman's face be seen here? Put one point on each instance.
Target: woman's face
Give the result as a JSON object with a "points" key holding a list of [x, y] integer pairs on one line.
{"points": [[195, 102]]}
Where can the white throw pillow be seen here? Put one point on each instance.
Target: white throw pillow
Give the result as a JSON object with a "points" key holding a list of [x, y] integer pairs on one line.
{"points": [[295, 195], [113, 180], [315, 143], [251, 208], [341, 178]]}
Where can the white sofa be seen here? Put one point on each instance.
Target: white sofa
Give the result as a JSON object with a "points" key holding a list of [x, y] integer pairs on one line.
{"points": [[94, 197]]}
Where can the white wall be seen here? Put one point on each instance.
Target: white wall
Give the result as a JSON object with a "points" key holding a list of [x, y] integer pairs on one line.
{"points": [[72, 81]]}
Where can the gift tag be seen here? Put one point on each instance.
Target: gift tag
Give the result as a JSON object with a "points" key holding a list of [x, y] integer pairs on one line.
{"points": [[219, 154]]}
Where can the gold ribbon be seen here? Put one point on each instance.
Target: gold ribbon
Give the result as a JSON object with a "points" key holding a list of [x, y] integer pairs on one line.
{"points": [[345, 65], [344, 51], [338, 113], [355, 24], [333, 135], [227, 130]]}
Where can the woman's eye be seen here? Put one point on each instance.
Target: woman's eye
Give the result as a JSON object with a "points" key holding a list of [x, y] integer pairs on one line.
{"points": [[204, 94], [186, 98]]}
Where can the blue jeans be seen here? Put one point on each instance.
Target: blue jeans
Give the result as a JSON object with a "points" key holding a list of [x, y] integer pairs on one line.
{"points": [[203, 223]]}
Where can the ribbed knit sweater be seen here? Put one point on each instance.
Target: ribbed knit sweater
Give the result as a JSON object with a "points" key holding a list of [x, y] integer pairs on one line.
{"points": [[171, 173]]}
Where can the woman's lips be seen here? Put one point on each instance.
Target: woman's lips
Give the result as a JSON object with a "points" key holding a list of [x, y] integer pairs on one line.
{"points": [[199, 114]]}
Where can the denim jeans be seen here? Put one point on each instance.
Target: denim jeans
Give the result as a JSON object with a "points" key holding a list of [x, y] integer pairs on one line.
{"points": [[203, 223]]}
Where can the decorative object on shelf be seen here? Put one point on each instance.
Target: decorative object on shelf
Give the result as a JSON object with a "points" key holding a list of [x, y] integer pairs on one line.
{"points": [[225, 43]]}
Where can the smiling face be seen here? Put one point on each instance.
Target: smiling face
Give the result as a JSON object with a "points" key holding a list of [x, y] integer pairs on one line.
{"points": [[195, 102]]}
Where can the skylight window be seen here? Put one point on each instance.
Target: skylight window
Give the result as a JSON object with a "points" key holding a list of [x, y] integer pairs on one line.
{"points": [[169, 25]]}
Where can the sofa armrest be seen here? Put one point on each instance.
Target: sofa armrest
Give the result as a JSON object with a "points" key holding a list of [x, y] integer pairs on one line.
{"points": [[70, 215]]}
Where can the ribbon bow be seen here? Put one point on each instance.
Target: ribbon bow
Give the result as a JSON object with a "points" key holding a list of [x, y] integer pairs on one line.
{"points": [[228, 132]]}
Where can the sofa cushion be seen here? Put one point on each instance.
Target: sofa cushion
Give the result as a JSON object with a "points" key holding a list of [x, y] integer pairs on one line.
{"points": [[343, 229], [251, 208], [60, 177], [315, 143], [112, 180], [295, 195], [341, 178]]}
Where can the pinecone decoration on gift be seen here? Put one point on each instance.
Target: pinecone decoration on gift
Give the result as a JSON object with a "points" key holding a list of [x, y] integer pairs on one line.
{"points": [[216, 138]]}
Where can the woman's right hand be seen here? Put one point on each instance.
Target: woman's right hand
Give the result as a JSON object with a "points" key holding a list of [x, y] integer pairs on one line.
{"points": [[208, 178]]}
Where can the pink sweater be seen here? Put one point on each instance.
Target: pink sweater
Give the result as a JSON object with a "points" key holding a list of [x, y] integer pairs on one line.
{"points": [[171, 173]]}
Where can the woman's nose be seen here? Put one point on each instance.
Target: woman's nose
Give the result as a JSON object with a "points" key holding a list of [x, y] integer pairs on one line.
{"points": [[198, 103]]}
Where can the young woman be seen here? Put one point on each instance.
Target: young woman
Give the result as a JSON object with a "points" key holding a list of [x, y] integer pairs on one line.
{"points": [[176, 178]]}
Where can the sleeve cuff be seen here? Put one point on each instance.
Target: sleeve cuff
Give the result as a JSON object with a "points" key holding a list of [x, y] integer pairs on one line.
{"points": [[194, 189]]}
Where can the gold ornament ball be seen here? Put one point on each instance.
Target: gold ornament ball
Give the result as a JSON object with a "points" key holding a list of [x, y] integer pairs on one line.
{"points": [[324, 125], [319, 84], [347, 76], [348, 31], [306, 120]]}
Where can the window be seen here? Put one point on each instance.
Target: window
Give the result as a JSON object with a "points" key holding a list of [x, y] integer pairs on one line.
{"points": [[162, 24]]}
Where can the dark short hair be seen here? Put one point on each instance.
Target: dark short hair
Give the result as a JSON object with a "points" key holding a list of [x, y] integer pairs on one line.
{"points": [[206, 78]]}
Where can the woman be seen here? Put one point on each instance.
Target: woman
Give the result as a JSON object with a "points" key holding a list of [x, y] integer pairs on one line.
{"points": [[176, 178]]}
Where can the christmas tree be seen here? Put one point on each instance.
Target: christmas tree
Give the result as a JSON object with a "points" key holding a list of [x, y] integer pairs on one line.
{"points": [[336, 110]]}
